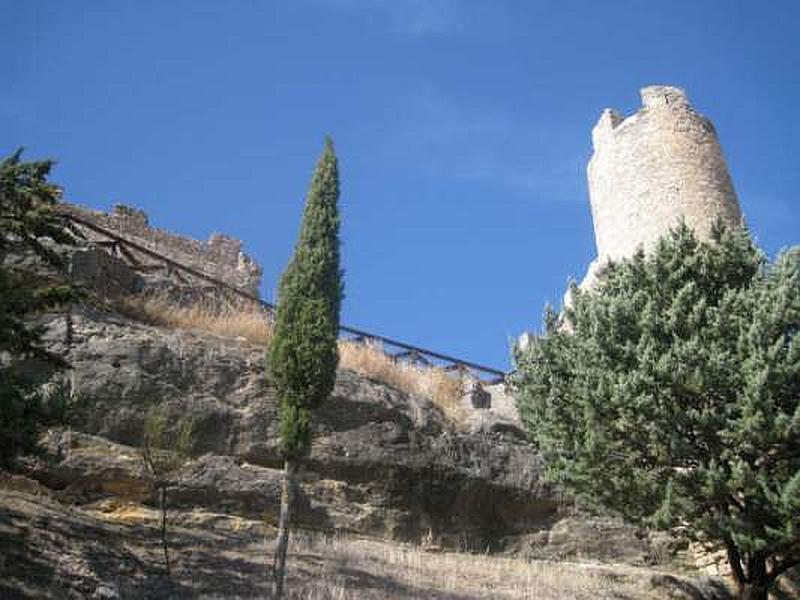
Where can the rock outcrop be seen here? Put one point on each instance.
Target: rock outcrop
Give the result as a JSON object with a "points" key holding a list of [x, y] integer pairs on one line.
{"points": [[109, 550], [383, 463]]}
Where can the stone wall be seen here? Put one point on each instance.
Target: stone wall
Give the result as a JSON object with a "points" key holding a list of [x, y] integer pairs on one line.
{"points": [[649, 170], [220, 257]]}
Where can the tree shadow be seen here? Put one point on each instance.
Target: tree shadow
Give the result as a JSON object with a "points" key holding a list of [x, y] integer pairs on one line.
{"points": [[703, 589]]}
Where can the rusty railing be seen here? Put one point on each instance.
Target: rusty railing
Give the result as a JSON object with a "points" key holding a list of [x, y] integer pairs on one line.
{"points": [[125, 249]]}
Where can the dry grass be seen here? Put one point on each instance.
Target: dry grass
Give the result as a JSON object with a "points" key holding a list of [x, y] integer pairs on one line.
{"points": [[218, 556], [370, 360], [250, 323], [348, 568], [253, 324]]}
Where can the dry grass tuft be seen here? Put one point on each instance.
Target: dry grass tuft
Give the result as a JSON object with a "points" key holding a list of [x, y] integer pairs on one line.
{"points": [[369, 569], [370, 360], [250, 323], [253, 324]]}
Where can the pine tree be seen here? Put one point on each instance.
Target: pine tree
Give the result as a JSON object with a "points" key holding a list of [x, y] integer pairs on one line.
{"points": [[303, 353], [671, 394], [28, 215]]}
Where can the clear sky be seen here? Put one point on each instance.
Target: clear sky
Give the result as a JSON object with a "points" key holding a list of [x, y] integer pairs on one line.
{"points": [[462, 128]]}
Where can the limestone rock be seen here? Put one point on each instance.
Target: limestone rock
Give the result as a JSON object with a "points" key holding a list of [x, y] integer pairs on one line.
{"points": [[110, 549], [475, 396], [103, 272], [382, 463]]}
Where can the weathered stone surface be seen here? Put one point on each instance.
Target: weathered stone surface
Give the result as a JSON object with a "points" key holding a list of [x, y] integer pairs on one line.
{"points": [[649, 171], [382, 462], [220, 257], [103, 272], [605, 539], [83, 468], [652, 169], [475, 396], [55, 551], [500, 417], [110, 550]]}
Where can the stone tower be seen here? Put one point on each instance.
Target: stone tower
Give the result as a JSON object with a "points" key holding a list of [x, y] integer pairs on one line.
{"points": [[650, 170]]}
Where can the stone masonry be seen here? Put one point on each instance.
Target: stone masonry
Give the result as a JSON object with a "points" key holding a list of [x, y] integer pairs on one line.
{"points": [[652, 169], [220, 257]]}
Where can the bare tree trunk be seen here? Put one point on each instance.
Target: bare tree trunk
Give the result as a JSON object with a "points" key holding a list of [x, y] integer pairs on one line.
{"points": [[162, 506], [752, 591], [287, 501], [757, 584], [753, 583]]}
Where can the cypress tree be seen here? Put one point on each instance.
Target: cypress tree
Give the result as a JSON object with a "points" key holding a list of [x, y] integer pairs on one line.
{"points": [[303, 353]]}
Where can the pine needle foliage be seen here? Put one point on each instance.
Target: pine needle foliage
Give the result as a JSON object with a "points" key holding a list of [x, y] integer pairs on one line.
{"points": [[28, 203], [28, 216], [303, 353], [671, 394]]}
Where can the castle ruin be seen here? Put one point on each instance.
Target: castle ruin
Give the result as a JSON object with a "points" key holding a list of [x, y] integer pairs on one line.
{"points": [[652, 169], [221, 257]]}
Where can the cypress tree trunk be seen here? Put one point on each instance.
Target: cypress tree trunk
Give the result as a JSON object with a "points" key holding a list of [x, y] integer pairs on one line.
{"points": [[287, 502], [753, 591]]}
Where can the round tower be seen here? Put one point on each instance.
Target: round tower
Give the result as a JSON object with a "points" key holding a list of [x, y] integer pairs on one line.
{"points": [[652, 169]]}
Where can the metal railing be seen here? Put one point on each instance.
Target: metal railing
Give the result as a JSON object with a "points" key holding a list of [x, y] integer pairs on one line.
{"points": [[125, 248]]}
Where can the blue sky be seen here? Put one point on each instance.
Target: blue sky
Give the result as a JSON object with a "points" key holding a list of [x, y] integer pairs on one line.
{"points": [[462, 129]]}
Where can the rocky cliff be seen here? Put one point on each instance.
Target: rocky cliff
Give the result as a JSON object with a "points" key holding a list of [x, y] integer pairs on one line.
{"points": [[383, 463], [80, 521]]}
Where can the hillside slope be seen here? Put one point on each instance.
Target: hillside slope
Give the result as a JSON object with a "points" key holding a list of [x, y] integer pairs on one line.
{"points": [[389, 474]]}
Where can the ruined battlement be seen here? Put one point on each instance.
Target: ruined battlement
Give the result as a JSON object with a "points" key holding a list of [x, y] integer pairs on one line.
{"points": [[664, 96], [221, 257], [653, 168]]}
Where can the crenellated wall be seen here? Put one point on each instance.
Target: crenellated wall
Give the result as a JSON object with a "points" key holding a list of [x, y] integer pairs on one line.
{"points": [[220, 257]]}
